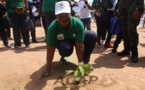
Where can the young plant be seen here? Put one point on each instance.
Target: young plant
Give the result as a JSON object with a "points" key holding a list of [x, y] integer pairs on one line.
{"points": [[80, 71]]}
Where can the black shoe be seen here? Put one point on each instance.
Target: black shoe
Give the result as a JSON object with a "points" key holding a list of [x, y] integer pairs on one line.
{"points": [[134, 59], [62, 61], [123, 53], [35, 41]]}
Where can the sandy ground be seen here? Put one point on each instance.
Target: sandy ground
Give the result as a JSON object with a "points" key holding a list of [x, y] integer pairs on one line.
{"points": [[21, 68]]}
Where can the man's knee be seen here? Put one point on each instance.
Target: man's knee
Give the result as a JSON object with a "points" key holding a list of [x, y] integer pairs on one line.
{"points": [[65, 47]]}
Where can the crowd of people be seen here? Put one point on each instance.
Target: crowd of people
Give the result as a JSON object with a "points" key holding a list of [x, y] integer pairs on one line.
{"points": [[64, 31]]}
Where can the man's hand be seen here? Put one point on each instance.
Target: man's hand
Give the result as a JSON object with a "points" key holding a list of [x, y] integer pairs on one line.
{"points": [[46, 73], [27, 12]]}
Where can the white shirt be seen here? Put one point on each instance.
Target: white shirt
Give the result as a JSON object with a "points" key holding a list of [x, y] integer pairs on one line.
{"points": [[84, 11]]}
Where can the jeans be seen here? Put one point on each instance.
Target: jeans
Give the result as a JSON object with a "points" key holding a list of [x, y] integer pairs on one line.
{"points": [[87, 23], [65, 47], [17, 25]]}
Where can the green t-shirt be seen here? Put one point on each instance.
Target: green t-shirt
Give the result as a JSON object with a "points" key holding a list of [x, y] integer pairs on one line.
{"points": [[49, 5], [11, 4], [56, 32], [100, 9]]}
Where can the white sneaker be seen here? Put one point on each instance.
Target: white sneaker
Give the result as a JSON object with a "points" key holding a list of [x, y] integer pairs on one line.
{"points": [[102, 42]]}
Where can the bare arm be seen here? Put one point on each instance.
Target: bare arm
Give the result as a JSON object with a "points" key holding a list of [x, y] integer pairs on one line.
{"points": [[86, 2], [49, 58], [79, 51], [26, 3]]}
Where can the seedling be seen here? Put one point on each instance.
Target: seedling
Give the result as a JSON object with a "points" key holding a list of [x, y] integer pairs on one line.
{"points": [[80, 71]]}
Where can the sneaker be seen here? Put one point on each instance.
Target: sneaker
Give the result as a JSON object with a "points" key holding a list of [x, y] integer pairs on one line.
{"points": [[8, 45], [17, 47], [108, 45], [28, 46], [102, 42], [62, 61], [92, 68]]}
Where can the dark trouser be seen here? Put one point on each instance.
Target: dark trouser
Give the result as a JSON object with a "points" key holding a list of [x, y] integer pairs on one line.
{"points": [[87, 23], [101, 26], [117, 41], [48, 18], [17, 24], [109, 15], [33, 33], [7, 27], [65, 47], [3, 34], [129, 28]]}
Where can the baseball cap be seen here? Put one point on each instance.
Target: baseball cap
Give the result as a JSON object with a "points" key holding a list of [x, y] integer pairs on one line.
{"points": [[62, 7]]}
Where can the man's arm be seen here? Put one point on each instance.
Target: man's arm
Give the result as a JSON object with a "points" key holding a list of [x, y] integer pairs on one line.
{"points": [[49, 58], [26, 6], [79, 51], [86, 2]]}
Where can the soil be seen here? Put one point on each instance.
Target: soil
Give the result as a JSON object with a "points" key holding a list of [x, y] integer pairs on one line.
{"points": [[20, 69]]}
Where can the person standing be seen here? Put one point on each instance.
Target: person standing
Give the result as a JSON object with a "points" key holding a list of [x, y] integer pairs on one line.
{"points": [[129, 13], [47, 8], [3, 34], [17, 10], [31, 6], [66, 32], [100, 22], [85, 14]]}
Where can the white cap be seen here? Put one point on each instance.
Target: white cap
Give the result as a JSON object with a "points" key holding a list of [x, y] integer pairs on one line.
{"points": [[62, 7]]}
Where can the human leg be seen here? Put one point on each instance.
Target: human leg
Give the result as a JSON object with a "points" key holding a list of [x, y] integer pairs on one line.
{"points": [[14, 18], [65, 48], [117, 41], [89, 44]]}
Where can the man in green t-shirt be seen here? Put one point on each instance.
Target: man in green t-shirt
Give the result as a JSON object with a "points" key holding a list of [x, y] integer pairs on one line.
{"points": [[64, 33]]}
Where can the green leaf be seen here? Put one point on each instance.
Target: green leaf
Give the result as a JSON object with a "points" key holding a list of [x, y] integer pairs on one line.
{"points": [[86, 67], [71, 60], [81, 70], [69, 72], [77, 75]]}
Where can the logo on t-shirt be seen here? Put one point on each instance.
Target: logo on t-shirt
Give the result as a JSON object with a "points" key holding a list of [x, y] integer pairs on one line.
{"points": [[74, 35], [60, 37]]}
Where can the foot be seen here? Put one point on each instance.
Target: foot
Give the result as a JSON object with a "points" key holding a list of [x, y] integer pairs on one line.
{"points": [[102, 42], [108, 45], [134, 59], [46, 73], [35, 41], [8, 45], [62, 61], [28, 46], [17, 47], [123, 53]]}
